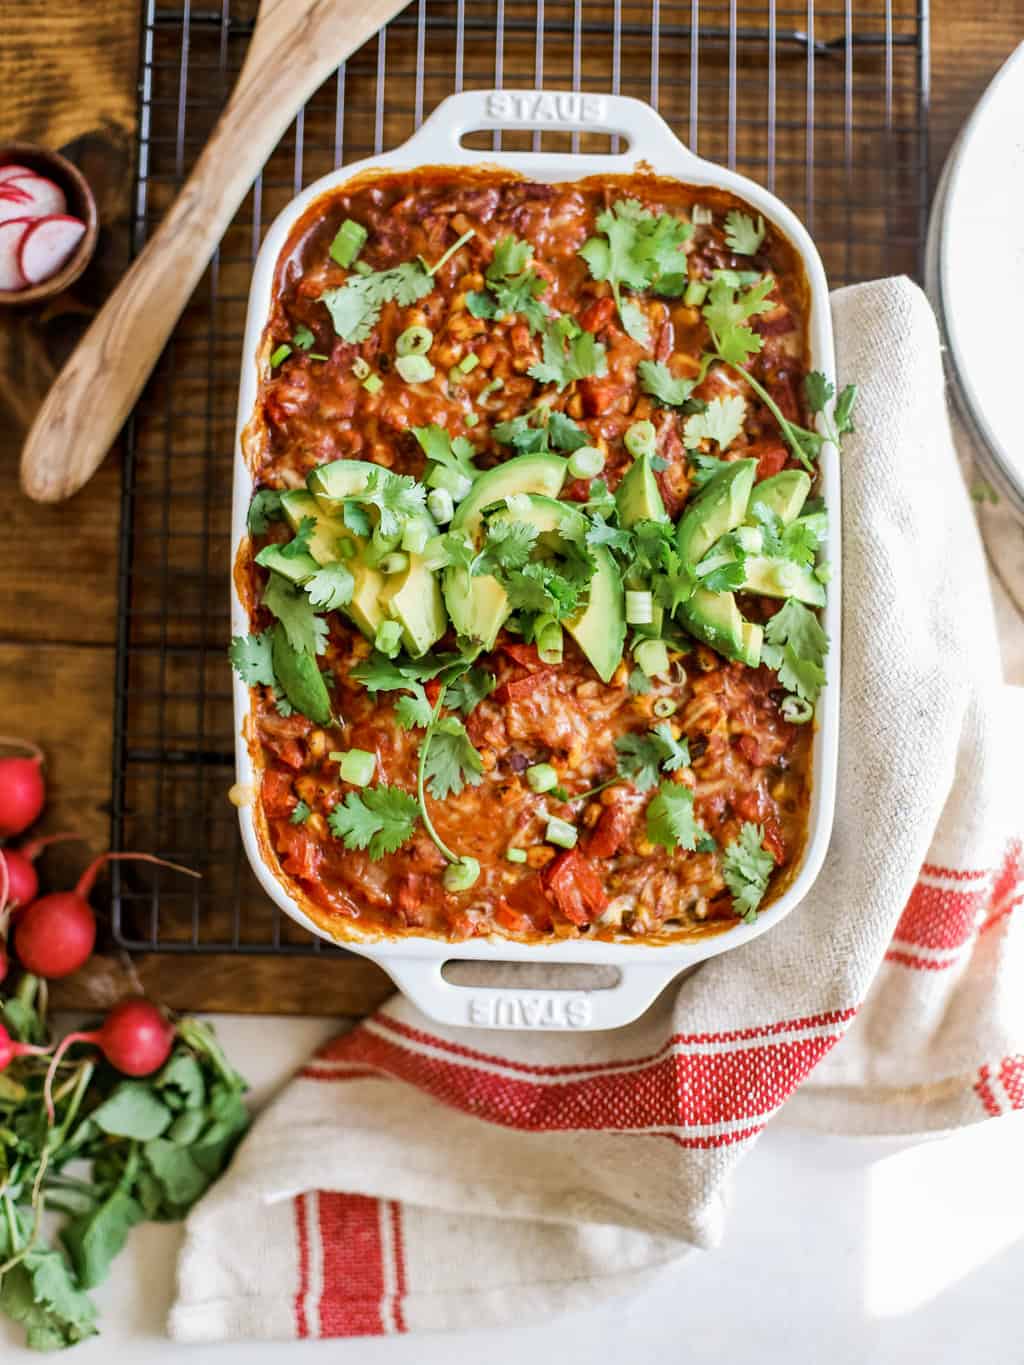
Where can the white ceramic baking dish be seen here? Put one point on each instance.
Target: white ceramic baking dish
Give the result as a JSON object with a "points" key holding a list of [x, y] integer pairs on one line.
{"points": [[415, 964]]}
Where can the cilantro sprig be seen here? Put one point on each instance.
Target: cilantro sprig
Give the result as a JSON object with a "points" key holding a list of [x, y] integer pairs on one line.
{"points": [[795, 646], [670, 818], [721, 422], [355, 306], [742, 234], [512, 287], [454, 453], [396, 498], [540, 432], [637, 250], [746, 869], [569, 353], [380, 819], [643, 757]]}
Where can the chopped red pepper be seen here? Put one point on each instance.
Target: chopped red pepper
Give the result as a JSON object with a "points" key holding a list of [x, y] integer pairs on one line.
{"points": [[278, 798], [574, 885]]}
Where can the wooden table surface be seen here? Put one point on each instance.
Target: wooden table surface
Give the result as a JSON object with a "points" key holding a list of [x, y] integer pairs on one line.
{"points": [[68, 72]]}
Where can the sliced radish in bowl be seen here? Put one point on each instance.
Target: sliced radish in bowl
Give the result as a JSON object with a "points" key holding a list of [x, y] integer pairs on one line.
{"points": [[45, 198], [15, 208], [7, 172], [12, 234], [47, 244]]}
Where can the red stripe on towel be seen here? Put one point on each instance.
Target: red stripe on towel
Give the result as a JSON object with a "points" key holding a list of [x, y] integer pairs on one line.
{"points": [[353, 1273]]}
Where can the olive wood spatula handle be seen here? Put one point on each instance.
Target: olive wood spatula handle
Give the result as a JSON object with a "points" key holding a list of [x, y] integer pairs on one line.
{"points": [[295, 46]]}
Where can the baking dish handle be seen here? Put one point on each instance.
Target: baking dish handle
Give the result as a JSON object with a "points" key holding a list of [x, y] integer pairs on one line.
{"points": [[645, 132], [516, 1007]]}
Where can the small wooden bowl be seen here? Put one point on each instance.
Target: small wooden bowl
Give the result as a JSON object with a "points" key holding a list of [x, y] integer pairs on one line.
{"points": [[81, 204]]}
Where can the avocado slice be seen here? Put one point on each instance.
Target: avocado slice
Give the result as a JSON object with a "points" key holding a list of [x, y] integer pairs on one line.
{"points": [[300, 679], [719, 508], [784, 494], [638, 496], [782, 578], [412, 598], [715, 618], [296, 568], [478, 606], [323, 543], [600, 628]]}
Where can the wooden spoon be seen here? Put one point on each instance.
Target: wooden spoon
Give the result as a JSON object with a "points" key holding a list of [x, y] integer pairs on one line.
{"points": [[295, 46]]}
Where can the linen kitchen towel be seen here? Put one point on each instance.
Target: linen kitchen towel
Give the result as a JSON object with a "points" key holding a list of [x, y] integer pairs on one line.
{"points": [[413, 1176]]}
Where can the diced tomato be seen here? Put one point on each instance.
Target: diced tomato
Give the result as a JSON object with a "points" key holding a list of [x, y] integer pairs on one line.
{"points": [[278, 797], [748, 806], [610, 832], [518, 688], [574, 885], [576, 490], [433, 690], [528, 897], [599, 395], [526, 655], [299, 852], [511, 919], [771, 457], [289, 751], [597, 314], [415, 894], [750, 749], [773, 840]]}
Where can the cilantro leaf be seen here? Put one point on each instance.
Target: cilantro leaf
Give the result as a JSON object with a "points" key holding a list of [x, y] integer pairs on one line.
{"points": [[721, 421], [355, 306], [569, 354], [282, 705], [727, 312], [251, 658], [658, 380], [456, 455], [541, 588], [670, 818], [356, 518], [818, 390], [795, 646], [303, 338], [564, 434], [300, 814], [378, 673], [727, 575], [746, 868], [299, 544], [705, 467], [507, 546], [742, 234], [843, 412], [643, 756], [414, 712], [264, 508], [307, 633], [552, 430], [467, 692], [638, 250], [397, 497], [600, 533], [512, 287], [379, 818], [331, 587], [451, 761]]}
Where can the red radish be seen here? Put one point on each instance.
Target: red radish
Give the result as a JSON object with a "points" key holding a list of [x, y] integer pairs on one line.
{"points": [[44, 195], [55, 935], [23, 882], [136, 1038], [47, 244], [9, 172], [11, 233], [9, 1049], [16, 196], [22, 793]]}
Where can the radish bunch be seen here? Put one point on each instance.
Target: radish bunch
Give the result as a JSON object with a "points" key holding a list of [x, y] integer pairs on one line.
{"points": [[37, 235]]}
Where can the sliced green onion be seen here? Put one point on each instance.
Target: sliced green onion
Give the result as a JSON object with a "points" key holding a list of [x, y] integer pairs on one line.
{"points": [[665, 707], [395, 562], [388, 638], [639, 439], [415, 536], [462, 875], [373, 383], [361, 268], [696, 293], [700, 214], [639, 608], [280, 355], [440, 505], [548, 639], [414, 341], [516, 855], [560, 832], [348, 242], [415, 369], [471, 419], [796, 710], [314, 355], [360, 367], [466, 236], [493, 387], [357, 767], [652, 658], [345, 548], [468, 363], [541, 777], [451, 480], [586, 462]]}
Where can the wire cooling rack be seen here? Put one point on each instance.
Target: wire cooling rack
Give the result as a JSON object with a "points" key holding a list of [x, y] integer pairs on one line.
{"points": [[824, 103]]}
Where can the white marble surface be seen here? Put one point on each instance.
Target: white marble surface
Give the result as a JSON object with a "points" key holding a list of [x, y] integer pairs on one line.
{"points": [[837, 1250]]}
